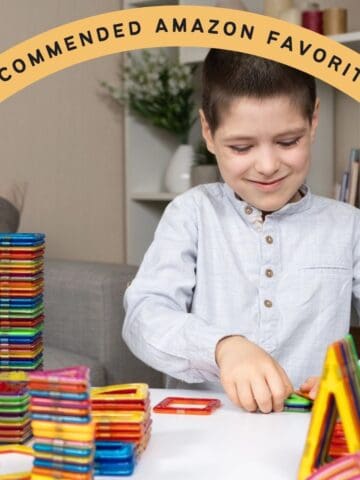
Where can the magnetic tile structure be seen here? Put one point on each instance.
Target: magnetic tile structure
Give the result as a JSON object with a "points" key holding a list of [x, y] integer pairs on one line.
{"points": [[122, 427], [333, 439], [15, 424], [21, 301], [62, 424]]}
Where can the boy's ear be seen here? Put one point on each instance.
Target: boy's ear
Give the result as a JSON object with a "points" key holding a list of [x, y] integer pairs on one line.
{"points": [[315, 119], [206, 132]]}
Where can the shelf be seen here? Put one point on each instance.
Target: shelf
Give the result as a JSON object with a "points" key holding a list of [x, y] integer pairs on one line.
{"points": [[350, 39], [150, 3], [153, 196], [197, 54]]}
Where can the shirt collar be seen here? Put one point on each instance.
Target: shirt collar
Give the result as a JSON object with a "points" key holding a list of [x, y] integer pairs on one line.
{"points": [[290, 208]]}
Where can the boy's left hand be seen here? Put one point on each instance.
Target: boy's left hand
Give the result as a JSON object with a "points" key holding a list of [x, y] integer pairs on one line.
{"points": [[311, 386]]}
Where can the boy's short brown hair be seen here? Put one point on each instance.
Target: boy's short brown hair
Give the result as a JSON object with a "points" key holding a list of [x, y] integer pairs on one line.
{"points": [[228, 74]]}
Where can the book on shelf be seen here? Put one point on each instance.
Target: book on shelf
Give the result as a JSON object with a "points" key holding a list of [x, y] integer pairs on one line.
{"points": [[354, 176], [349, 190]]}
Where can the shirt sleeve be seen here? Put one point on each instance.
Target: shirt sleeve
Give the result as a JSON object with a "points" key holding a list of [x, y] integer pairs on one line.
{"points": [[158, 326]]}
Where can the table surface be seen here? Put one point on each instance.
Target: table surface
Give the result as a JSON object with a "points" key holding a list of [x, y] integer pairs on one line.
{"points": [[228, 444]]}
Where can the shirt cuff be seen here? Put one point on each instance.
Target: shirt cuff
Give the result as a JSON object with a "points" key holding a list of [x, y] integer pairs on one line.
{"points": [[202, 350]]}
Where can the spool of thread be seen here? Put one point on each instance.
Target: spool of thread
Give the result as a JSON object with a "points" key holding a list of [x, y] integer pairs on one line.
{"points": [[313, 18], [334, 21], [291, 15], [274, 8]]}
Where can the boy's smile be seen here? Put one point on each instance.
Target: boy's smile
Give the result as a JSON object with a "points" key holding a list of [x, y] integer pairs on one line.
{"points": [[262, 148]]}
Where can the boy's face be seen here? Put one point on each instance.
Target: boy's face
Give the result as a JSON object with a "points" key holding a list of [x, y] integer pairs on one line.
{"points": [[262, 148]]}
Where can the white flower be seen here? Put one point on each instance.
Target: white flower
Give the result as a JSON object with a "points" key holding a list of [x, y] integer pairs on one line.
{"points": [[158, 86], [152, 77]]}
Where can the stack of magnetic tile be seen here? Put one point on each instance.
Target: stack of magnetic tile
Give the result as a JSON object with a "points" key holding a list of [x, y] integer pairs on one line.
{"points": [[61, 423], [338, 446], [122, 426], [297, 402], [338, 400], [21, 300], [15, 424], [114, 458]]}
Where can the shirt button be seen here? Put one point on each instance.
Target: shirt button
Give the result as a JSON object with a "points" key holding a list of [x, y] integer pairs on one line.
{"points": [[269, 239], [269, 273], [268, 303], [248, 210]]}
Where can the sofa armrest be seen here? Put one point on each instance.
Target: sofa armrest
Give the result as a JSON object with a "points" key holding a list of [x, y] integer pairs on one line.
{"points": [[84, 314]]}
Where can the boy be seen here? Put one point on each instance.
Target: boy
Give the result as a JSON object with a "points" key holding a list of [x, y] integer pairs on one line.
{"points": [[248, 281]]}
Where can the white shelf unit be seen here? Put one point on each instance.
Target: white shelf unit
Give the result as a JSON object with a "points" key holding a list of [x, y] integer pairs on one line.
{"points": [[153, 196], [148, 150], [350, 39], [347, 115]]}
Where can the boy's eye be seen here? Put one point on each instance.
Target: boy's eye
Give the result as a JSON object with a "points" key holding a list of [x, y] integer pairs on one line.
{"points": [[240, 148], [289, 143]]}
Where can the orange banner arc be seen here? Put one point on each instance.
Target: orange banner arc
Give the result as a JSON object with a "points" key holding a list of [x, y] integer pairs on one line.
{"points": [[177, 26]]}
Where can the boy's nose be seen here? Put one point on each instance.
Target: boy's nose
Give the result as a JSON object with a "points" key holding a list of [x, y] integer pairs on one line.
{"points": [[267, 163]]}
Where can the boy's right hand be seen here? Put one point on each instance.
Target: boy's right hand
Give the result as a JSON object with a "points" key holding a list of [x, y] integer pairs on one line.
{"points": [[251, 378]]}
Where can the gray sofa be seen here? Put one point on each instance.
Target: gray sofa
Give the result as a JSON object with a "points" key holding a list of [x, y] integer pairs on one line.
{"points": [[83, 322]]}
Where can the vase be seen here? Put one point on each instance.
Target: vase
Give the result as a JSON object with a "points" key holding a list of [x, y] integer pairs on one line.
{"points": [[177, 175]]}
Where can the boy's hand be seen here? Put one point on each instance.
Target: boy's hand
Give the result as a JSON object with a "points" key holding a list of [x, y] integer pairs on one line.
{"points": [[251, 377], [311, 386]]}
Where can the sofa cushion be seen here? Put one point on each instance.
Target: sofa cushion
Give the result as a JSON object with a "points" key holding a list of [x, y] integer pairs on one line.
{"points": [[84, 314], [56, 358], [12, 194], [9, 216]]}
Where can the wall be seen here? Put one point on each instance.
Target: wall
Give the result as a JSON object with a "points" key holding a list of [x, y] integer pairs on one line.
{"points": [[64, 137]]}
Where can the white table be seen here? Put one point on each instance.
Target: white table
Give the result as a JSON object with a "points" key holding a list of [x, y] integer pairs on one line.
{"points": [[229, 444]]}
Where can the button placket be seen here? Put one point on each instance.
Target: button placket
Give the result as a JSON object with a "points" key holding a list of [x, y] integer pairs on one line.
{"points": [[269, 273], [254, 217], [270, 264], [269, 239]]}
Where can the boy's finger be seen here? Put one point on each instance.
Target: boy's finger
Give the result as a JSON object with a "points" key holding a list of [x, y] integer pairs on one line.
{"points": [[279, 390], [246, 397], [262, 394], [313, 391], [288, 385], [231, 392], [309, 383], [312, 394]]}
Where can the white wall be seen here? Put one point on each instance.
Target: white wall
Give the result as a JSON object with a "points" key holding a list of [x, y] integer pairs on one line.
{"points": [[64, 138]]}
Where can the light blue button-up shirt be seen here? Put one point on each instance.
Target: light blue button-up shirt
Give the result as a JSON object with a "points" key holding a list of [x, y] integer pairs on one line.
{"points": [[216, 268]]}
